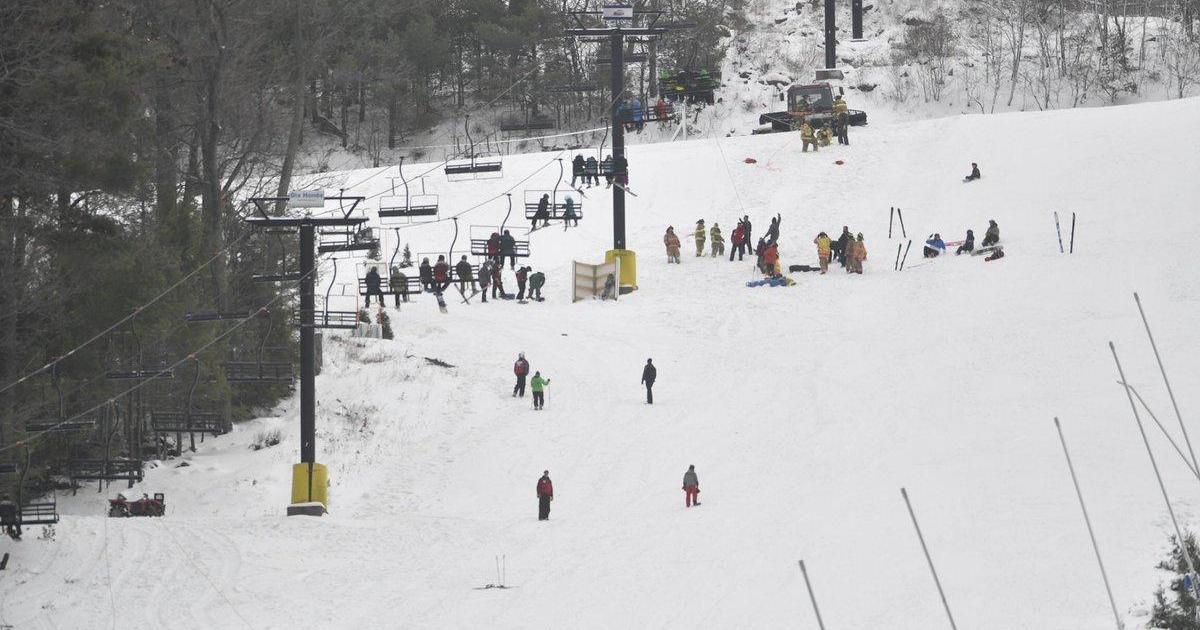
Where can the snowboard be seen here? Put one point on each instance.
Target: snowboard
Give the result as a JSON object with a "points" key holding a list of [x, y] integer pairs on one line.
{"points": [[625, 188], [441, 302], [986, 250]]}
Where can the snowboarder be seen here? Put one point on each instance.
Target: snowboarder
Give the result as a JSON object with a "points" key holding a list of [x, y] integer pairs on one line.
{"points": [[673, 245], [806, 136], [992, 236], [701, 233], [839, 246], [590, 170], [996, 255], [493, 248], [485, 278], [462, 271], [538, 385], [521, 369], [856, 255], [974, 173], [542, 213], [522, 277], [649, 374], [425, 273], [824, 250], [934, 246], [773, 229], [569, 216], [718, 241], [545, 494], [373, 286], [691, 487], [968, 245], [577, 171], [536, 280], [441, 274], [508, 247]]}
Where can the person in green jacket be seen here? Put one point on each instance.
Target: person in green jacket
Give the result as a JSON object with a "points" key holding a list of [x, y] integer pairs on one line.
{"points": [[536, 280], [538, 385]]}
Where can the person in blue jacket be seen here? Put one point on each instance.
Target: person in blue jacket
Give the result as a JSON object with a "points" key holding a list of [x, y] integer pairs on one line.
{"points": [[935, 246]]}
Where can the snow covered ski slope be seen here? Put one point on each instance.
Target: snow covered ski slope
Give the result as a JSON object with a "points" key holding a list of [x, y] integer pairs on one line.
{"points": [[804, 409]]}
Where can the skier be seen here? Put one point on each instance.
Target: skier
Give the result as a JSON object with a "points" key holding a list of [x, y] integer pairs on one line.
{"points": [[522, 276], [485, 278], [373, 286], [569, 216], [536, 280], [773, 229], [856, 255], [649, 374], [992, 236], [493, 247], [508, 247], [538, 385], [545, 494], [718, 241], [839, 247], [462, 271], [935, 246], [691, 487], [974, 173], [700, 235], [520, 368], [968, 245], [441, 274], [806, 136], [543, 212], [739, 241], [425, 273], [824, 250], [606, 167], [498, 282], [590, 172], [577, 171], [673, 245]]}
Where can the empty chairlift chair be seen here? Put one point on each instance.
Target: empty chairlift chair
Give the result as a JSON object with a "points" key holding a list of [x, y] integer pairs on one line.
{"points": [[282, 275], [407, 209], [259, 371], [22, 512], [186, 420], [472, 164]]}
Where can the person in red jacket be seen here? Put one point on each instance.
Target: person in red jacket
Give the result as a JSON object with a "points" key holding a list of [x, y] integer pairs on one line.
{"points": [[545, 494], [441, 274], [521, 369]]}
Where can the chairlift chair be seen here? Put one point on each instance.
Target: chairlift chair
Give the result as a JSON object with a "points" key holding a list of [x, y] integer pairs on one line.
{"points": [[389, 282], [481, 234], [557, 199], [135, 369], [283, 275], [473, 165], [23, 513], [409, 209], [258, 371], [164, 421], [347, 240]]}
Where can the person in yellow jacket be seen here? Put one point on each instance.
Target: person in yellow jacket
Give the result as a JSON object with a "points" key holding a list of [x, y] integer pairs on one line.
{"points": [[824, 250], [806, 136], [856, 255], [671, 240], [824, 136], [700, 234], [839, 106], [718, 241]]}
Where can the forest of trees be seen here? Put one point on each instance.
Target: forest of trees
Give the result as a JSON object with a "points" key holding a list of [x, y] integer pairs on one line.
{"points": [[132, 131]]}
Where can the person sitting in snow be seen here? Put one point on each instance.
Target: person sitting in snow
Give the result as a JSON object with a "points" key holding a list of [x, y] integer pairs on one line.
{"points": [[992, 236], [968, 245], [935, 246], [974, 173]]}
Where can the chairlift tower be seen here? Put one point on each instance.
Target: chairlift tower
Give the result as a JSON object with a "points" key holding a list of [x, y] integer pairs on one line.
{"points": [[617, 23], [309, 479]]}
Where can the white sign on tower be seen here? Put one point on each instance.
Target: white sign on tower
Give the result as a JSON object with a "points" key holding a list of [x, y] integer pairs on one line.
{"points": [[306, 199], [617, 13]]}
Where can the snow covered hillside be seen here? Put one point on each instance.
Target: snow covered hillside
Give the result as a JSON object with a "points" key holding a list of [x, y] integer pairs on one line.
{"points": [[805, 410]]}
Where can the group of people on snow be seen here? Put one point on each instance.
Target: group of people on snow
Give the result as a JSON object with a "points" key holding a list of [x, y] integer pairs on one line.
{"points": [[822, 135], [848, 250], [589, 170], [935, 246], [537, 384], [436, 278], [545, 491]]}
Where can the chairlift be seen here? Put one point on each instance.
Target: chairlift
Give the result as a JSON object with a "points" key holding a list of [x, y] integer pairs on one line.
{"points": [[394, 209], [529, 124], [164, 421], [473, 165], [258, 371], [119, 469], [135, 369], [283, 275], [557, 201], [58, 423], [573, 88], [689, 85], [396, 282], [14, 516], [481, 234], [347, 240], [327, 319]]}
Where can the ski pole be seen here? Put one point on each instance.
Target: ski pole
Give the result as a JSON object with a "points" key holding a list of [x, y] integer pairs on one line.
{"points": [[891, 218], [1059, 230], [1072, 232], [813, 598], [928, 559], [903, 260], [896, 267], [900, 215]]}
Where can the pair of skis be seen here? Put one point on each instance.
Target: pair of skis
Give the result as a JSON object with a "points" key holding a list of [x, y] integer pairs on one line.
{"points": [[1059, 230]]}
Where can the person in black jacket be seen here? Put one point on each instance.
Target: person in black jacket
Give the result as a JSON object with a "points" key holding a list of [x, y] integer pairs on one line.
{"points": [[974, 173], [968, 245], [508, 248], [522, 276], [543, 212], [577, 169], [747, 236], [425, 272], [839, 246], [462, 272], [649, 373], [373, 286], [773, 230]]}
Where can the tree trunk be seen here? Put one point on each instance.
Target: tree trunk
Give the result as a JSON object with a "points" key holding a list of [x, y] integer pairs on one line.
{"points": [[166, 164]]}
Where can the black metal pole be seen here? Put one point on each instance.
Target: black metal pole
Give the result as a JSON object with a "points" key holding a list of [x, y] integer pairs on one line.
{"points": [[856, 18], [830, 34], [617, 68], [308, 395]]}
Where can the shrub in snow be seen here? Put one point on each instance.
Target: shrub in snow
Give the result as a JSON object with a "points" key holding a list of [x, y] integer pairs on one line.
{"points": [[385, 322], [364, 316], [1177, 611], [265, 439]]}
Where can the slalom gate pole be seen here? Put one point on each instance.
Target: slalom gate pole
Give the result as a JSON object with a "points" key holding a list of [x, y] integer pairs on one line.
{"points": [[1166, 381], [1183, 550], [1059, 230], [899, 246], [905, 259], [1163, 429], [1088, 521], [928, 559], [900, 215], [1072, 233], [891, 218], [811, 597]]}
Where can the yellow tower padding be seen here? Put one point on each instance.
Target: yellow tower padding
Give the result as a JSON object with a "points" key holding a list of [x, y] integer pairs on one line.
{"points": [[310, 485], [628, 279]]}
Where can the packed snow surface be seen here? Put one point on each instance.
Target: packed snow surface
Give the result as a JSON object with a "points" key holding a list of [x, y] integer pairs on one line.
{"points": [[804, 409]]}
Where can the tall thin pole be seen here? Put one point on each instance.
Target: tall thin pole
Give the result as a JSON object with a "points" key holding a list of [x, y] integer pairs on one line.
{"points": [[308, 395], [1170, 392], [924, 548], [813, 598], [1161, 428], [617, 69], [1154, 463], [830, 34], [1088, 522]]}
